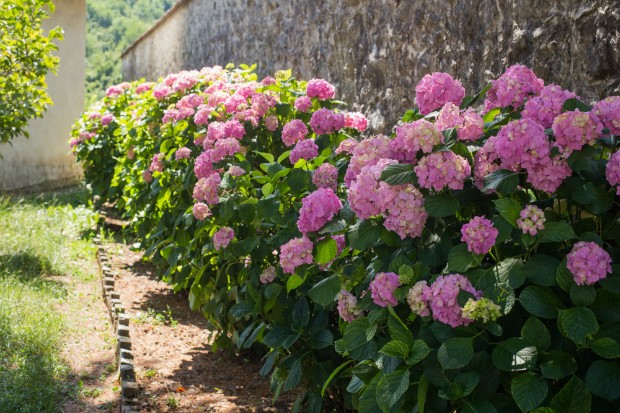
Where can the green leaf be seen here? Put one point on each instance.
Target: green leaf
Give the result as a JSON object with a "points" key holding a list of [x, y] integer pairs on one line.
{"points": [[582, 295], [422, 393], [573, 104], [270, 360], [334, 374], [528, 391], [467, 382], [241, 309], [578, 323], [606, 347], [603, 379], [460, 259], [573, 398], [326, 251], [294, 376], [398, 330], [321, 339], [272, 290], [419, 351], [398, 174], [541, 269], [293, 282], [540, 301], [476, 406], [455, 353], [268, 157], [364, 234], [502, 181], [395, 348], [280, 336], [514, 354], [301, 314], [510, 209], [557, 364], [441, 205], [556, 232], [536, 334], [324, 292], [298, 180], [391, 388]]}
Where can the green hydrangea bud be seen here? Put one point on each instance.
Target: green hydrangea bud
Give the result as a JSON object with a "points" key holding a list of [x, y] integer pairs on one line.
{"points": [[482, 310]]}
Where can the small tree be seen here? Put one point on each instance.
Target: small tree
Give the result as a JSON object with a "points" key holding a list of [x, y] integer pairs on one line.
{"points": [[25, 59]]}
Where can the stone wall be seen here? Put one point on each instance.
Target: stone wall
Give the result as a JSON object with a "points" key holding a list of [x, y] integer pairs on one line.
{"points": [[43, 161], [375, 51]]}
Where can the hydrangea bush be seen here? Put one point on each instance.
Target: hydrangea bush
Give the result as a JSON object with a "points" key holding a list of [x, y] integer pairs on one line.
{"points": [[466, 262]]}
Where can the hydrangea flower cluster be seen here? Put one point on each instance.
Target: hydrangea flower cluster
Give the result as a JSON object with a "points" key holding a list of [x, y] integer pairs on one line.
{"points": [[222, 237], [182, 153], [417, 297], [325, 121], [355, 120], [482, 310], [522, 143], [442, 298], [612, 172], [106, 119], [382, 289], [346, 146], [271, 123], [294, 253], [268, 275], [435, 90], [236, 170], [206, 189], [575, 129], [157, 164], [415, 136], [326, 176], [368, 195], [588, 263], [347, 306], [532, 219], [320, 89], [365, 153], [547, 105], [479, 234], [406, 215], [201, 211], [305, 149], [549, 174], [469, 124], [515, 85], [293, 132], [608, 111], [303, 104], [318, 209], [442, 169]]}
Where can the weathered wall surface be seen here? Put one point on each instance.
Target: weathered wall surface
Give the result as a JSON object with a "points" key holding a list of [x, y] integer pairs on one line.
{"points": [[376, 51], [43, 160]]}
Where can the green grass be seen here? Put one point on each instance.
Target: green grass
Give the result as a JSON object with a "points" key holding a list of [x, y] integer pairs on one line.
{"points": [[40, 237]]}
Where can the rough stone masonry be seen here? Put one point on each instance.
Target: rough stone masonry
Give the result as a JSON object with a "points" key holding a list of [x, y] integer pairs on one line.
{"points": [[375, 51]]}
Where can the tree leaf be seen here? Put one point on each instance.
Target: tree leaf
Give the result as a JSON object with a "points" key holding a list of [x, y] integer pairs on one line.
{"points": [[606, 347], [455, 353], [321, 339], [419, 351], [502, 181], [324, 292], [293, 282], [556, 232], [582, 295], [391, 388], [294, 376], [441, 205], [536, 334], [603, 379], [364, 234], [280, 336], [573, 398], [326, 251], [528, 391], [395, 348], [557, 364], [541, 270], [540, 301], [460, 259], [509, 208], [577, 323]]}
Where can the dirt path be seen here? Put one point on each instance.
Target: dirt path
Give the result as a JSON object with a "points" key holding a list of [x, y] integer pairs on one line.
{"points": [[175, 367]]}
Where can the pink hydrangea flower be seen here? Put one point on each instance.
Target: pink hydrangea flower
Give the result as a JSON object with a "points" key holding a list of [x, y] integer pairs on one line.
{"points": [[225, 147], [367, 152], [233, 129], [588, 263], [485, 162], [294, 253], [236, 170], [235, 103], [405, 212], [318, 209], [161, 91], [206, 189], [368, 195], [347, 306], [202, 115], [320, 89], [355, 120], [303, 104], [546, 106], [74, 142], [522, 144], [326, 176], [182, 153], [107, 119], [515, 85], [293, 132], [442, 297], [415, 136], [612, 172], [147, 176], [549, 173], [479, 234], [346, 146], [574, 129], [472, 127], [417, 298], [442, 169], [325, 121], [203, 166], [261, 104], [157, 163], [448, 117], [268, 81], [268, 275], [608, 111], [382, 289], [222, 237], [201, 211], [271, 123], [435, 90], [144, 87], [532, 219], [306, 149], [190, 101]]}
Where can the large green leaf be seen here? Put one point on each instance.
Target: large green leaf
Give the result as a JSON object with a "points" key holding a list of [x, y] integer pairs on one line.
{"points": [[398, 174], [509, 208], [460, 259], [606, 347], [455, 352], [582, 294], [540, 301], [419, 351], [395, 348], [603, 379], [326, 250], [364, 234], [441, 205], [556, 232], [301, 314], [294, 376], [578, 323], [391, 388], [476, 406], [541, 270], [321, 339], [528, 391], [535, 333], [398, 330], [573, 398], [557, 364], [280, 336], [514, 354], [324, 292], [502, 181]]}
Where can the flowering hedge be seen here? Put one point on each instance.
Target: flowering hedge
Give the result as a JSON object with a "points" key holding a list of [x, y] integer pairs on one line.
{"points": [[464, 263]]}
